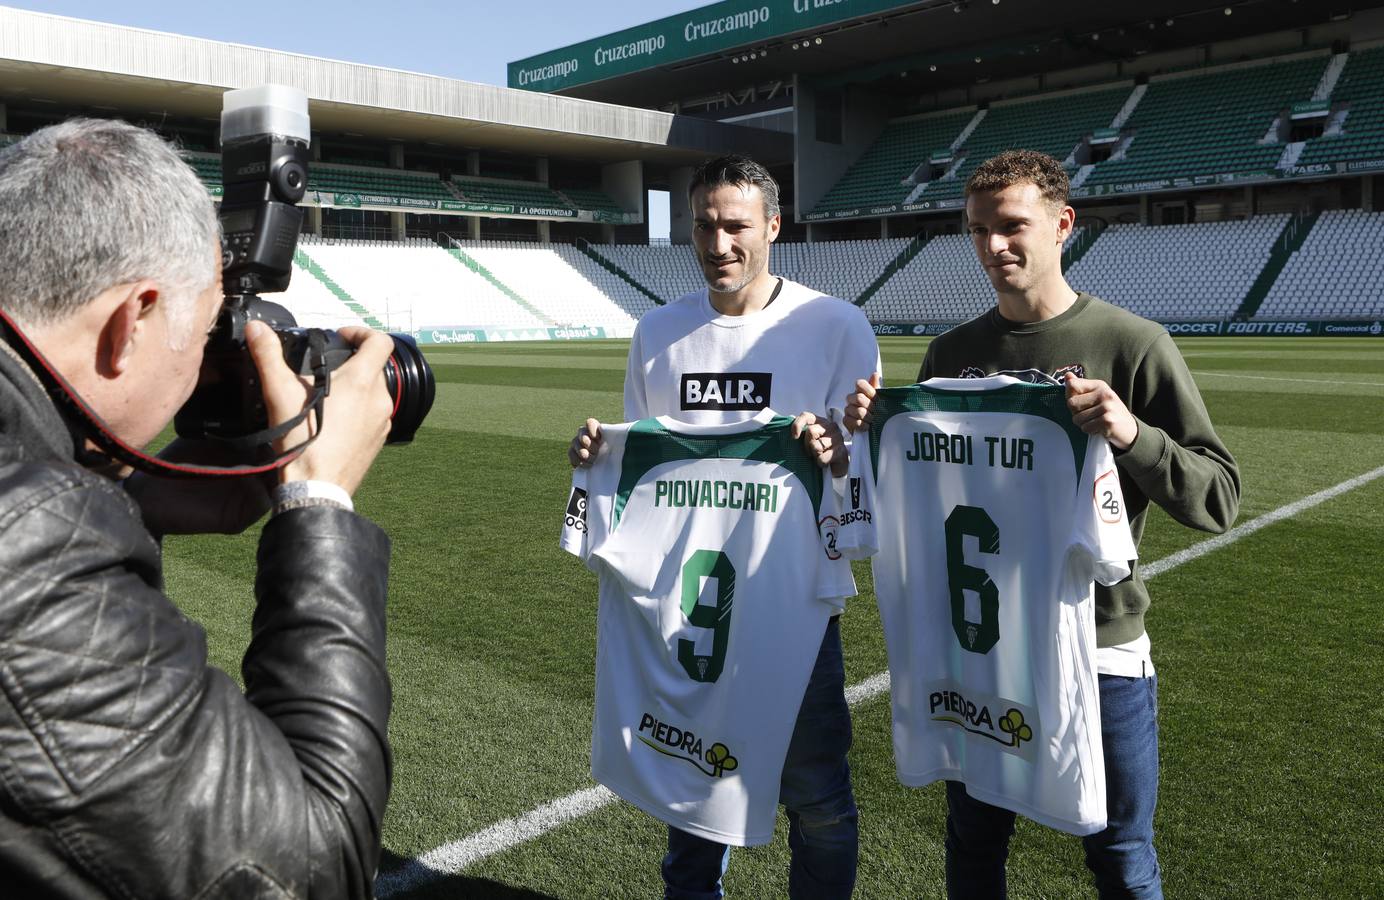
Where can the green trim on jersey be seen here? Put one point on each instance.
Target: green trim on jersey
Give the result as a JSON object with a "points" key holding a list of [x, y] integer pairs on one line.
{"points": [[649, 444], [1042, 400]]}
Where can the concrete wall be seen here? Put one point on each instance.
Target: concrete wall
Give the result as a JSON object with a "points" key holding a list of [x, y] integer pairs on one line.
{"points": [[679, 214], [818, 164]]}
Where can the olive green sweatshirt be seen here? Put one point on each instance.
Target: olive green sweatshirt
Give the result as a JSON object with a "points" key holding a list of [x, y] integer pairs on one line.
{"points": [[1177, 460]]}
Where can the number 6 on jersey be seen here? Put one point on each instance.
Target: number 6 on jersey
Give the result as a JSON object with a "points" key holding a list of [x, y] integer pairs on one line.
{"points": [[977, 637]]}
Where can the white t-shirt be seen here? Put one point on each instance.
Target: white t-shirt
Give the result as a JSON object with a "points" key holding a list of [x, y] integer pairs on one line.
{"points": [[801, 353], [991, 513], [716, 586]]}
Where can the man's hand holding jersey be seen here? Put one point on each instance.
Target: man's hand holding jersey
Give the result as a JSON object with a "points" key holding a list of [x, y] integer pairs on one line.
{"points": [[823, 440], [584, 447], [1096, 409], [858, 404]]}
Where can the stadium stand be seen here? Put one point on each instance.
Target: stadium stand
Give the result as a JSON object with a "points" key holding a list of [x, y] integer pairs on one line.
{"points": [[840, 268], [943, 282], [312, 303], [208, 168], [1196, 124], [668, 271], [412, 285], [562, 283], [386, 182], [905, 144], [1204, 271], [1360, 92], [590, 198], [1054, 125], [512, 193], [1198, 271], [1334, 274]]}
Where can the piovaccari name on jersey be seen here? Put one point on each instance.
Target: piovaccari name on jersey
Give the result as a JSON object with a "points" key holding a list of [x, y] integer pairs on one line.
{"points": [[726, 390]]}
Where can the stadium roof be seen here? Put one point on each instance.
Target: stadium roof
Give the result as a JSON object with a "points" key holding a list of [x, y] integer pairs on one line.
{"points": [[85, 64], [892, 45]]}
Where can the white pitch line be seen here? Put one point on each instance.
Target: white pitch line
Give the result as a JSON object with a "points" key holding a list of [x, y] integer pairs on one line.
{"points": [[1293, 380], [1253, 525], [456, 856], [452, 858]]}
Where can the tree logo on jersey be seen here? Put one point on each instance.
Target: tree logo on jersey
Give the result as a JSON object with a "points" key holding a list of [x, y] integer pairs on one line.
{"points": [[679, 743], [827, 527], [855, 493], [1108, 496], [737, 391], [576, 510], [1013, 725], [952, 705]]}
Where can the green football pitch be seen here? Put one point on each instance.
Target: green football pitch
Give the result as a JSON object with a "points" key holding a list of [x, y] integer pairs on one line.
{"points": [[1270, 648]]}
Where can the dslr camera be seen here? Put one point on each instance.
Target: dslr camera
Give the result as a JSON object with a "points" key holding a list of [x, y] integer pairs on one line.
{"points": [[264, 170]]}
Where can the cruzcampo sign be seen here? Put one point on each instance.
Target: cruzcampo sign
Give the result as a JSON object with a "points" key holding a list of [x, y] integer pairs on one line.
{"points": [[709, 29]]}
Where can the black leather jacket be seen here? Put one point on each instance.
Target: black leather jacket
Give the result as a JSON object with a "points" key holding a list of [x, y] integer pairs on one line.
{"points": [[128, 766]]}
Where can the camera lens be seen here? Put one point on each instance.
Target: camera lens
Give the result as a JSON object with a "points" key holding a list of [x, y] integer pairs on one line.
{"points": [[411, 385]]}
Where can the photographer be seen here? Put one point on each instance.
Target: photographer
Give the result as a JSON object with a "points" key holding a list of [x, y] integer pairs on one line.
{"points": [[128, 766]]}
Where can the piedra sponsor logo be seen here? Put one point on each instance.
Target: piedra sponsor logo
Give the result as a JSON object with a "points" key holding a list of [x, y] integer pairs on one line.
{"points": [[1009, 724], [680, 743]]}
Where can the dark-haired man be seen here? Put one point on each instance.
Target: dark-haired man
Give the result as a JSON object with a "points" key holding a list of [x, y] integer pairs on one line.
{"points": [[781, 346], [1127, 382]]}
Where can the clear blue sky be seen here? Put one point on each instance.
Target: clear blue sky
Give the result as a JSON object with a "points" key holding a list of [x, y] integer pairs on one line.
{"points": [[461, 39], [468, 39]]}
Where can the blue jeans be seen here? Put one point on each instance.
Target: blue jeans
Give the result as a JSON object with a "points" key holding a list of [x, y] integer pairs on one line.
{"points": [[1121, 857], [815, 788]]}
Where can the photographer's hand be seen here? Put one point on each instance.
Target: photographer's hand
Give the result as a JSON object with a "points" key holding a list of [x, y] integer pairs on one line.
{"points": [[355, 415], [199, 506]]}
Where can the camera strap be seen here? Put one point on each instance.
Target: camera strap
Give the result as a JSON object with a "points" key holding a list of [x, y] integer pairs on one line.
{"points": [[86, 424]]}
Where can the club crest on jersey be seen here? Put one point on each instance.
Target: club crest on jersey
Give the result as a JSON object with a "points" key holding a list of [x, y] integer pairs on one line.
{"points": [[738, 391], [1007, 723], [576, 510], [1032, 376], [670, 740]]}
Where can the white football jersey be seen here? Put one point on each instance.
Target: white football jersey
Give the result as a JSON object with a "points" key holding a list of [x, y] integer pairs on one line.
{"points": [[718, 571], [991, 514]]}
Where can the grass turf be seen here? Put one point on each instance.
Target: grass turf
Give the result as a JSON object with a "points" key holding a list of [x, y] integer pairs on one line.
{"points": [[1268, 651]]}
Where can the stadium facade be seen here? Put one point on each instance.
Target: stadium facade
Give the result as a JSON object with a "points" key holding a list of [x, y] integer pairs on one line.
{"points": [[1239, 141]]}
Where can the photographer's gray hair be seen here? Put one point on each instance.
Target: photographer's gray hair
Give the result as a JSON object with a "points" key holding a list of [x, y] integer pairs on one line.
{"points": [[92, 203]]}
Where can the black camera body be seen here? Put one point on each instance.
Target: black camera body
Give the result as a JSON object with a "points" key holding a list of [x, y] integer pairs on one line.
{"points": [[264, 166]]}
